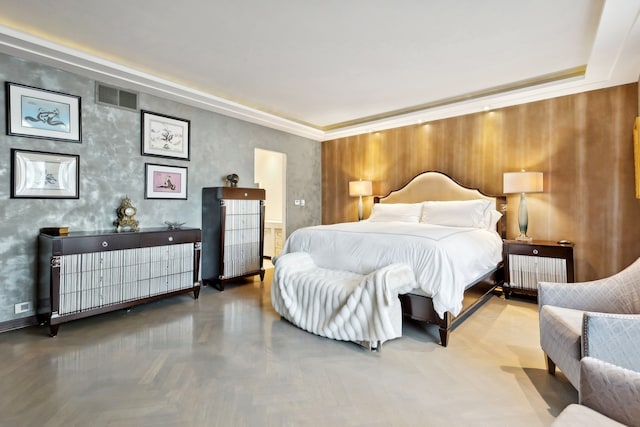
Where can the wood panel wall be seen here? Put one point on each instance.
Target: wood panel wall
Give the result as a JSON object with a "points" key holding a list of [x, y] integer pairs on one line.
{"points": [[582, 143]]}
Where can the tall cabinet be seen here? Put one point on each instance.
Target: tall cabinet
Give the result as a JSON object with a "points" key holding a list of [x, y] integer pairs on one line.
{"points": [[232, 234]]}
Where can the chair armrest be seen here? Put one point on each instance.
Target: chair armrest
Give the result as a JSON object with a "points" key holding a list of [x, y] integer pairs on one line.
{"points": [[585, 296], [613, 338], [619, 293], [610, 390]]}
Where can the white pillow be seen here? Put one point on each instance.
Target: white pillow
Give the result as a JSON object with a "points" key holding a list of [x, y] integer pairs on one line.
{"points": [[403, 212], [458, 213], [492, 217]]}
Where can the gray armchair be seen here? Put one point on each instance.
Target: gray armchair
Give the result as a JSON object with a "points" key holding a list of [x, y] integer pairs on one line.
{"points": [[565, 307], [609, 374]]}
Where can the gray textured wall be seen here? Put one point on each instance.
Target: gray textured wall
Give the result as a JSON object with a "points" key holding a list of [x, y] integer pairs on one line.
{"points": [[111, 166]]}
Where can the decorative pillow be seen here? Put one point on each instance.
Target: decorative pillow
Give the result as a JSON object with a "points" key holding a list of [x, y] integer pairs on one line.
{"points": [[403, 212], [458, 213]]}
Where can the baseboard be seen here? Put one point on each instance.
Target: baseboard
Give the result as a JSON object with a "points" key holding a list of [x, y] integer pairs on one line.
{"points": [[23, 322]]}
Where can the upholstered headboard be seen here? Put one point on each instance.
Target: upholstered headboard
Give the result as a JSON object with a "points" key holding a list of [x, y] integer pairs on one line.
{"points": [[438, 186]]}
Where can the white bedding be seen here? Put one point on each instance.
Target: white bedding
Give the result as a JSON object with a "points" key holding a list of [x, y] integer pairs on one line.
{"points": [[444, 259], [340, 304]]}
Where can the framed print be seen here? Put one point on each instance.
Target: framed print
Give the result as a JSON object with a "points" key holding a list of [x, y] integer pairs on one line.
{"points": [[40, 113], [165, 182], [165, 136], [40, 175]]}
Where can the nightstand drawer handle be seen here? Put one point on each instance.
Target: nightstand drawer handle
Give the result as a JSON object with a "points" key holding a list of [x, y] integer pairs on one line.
{"points": [[105, 244], [170, 238], [535, 252]]}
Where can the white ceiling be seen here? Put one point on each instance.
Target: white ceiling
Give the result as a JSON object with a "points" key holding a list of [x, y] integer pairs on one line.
{"points": [[327, 69]]}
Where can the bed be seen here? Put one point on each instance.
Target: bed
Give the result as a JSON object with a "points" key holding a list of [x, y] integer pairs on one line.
{"points": [[449, 234]]}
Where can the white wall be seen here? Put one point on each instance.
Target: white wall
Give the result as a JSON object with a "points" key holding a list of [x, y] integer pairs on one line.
{"points": [[270, 173]]}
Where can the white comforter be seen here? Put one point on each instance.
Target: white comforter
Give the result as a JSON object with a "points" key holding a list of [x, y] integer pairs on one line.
{"points": [[340, 304], [444, 259]]}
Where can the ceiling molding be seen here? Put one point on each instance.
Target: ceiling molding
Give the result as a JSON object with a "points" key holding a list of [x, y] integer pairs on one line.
{"points": [[614, 60], [608, 65], [573, 73], [43, 51]]}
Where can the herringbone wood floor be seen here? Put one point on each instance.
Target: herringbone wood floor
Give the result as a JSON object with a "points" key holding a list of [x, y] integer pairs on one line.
{"points": [[228, 359]]}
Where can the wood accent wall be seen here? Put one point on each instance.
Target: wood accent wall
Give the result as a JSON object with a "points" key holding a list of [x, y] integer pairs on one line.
{"points": [[582, 143]]}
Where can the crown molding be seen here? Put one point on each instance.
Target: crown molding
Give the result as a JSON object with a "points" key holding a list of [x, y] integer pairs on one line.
{"points": [[614, 60], [43, 51]]}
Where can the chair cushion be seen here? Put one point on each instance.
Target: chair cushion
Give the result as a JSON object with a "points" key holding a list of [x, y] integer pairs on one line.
{"points": [[576, 415], [560, 331], [613, 338], [611, 390]]}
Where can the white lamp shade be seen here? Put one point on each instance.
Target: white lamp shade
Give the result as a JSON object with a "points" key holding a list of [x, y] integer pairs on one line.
{"points": [[360, 188], [522, 182]]}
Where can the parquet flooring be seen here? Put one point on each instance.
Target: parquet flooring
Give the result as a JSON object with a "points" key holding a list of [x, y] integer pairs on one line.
{"points": [[228, 359]]}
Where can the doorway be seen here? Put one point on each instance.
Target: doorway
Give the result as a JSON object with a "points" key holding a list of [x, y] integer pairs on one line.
{"points": [[269, 170]]}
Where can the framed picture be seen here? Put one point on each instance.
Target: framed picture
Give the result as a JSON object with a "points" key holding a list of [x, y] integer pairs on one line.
{"points": [[165, 182], [40, 175], [165, 136], [40, 113]]}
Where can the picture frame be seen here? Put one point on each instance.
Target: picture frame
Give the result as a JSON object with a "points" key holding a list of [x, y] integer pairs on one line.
{"points": [[165, 136], [42, 113], [165, 182], [43, 175]]}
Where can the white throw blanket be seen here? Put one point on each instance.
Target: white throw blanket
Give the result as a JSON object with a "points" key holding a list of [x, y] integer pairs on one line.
{"points": [[340, 304]]}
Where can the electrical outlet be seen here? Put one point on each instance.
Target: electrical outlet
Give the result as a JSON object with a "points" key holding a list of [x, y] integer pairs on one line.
{"points": [[296, 202], [22, 307]]}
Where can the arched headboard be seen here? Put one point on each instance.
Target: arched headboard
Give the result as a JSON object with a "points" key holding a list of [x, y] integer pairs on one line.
{"points": [[438, 186]]}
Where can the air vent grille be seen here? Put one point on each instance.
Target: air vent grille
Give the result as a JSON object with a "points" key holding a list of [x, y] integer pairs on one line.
{"points": [[116, 97]]}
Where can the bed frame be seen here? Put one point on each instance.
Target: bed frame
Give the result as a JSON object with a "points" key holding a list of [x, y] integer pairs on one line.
{"points": [[438, 186]]}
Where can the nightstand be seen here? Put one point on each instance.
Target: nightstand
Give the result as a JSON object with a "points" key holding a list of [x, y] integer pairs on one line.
{"points": [[527, 263]]}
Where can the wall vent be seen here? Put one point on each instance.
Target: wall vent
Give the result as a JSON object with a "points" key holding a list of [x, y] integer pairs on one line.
{"points": [[116, 97]]}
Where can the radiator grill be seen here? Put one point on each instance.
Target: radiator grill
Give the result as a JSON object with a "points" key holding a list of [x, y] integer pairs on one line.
{"points": [[526, 271], [116, 97]]}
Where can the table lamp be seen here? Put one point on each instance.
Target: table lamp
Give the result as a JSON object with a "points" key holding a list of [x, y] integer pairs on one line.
{"points": [[358, 189], [522, 182]]}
